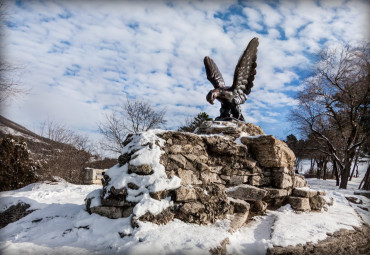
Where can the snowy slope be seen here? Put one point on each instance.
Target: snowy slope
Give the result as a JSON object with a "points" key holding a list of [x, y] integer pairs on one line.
{"points": [[61, 225]]}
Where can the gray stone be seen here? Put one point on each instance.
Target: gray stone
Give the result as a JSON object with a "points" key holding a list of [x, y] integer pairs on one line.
{"points": [[240, 213], [111, 212], [267, 172], [225, 177], [143, 169], [14, 213], [178, 159], [284, 170], [317, 203], [209, 177], [162, 218], [266, 181], [202, 167], [255, 180], [257, 170], [240, 206], [299, 192], [188, 177], [282, 180], [191, 157], [269, 151], [127, 212], [118, 192], [215, 169], [185, 194], [321, 193], [113, 202], [250, 163], [237, 179], [246, 192], [202, 159], [260, 206], [188, 148], [192, 208], [132, 185], [175, 149], [300, 181], [237, 220], [276, 193], [159, 195], [299, 203], [123, 159]]}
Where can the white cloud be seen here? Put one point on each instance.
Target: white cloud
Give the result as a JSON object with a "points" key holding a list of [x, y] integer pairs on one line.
{"points": [[155, 51], [254, 18]]}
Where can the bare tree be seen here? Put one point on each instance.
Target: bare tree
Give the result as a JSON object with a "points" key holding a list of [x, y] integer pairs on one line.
{"points": [[59, 132], [69, 154], [333, 107], [8, 87], [135, 116]]}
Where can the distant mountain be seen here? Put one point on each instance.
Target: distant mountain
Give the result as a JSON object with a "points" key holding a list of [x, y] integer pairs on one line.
{"points": [[56, 158]]}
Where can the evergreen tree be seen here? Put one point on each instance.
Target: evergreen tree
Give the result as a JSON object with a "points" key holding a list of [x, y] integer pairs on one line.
{"points": [[192, 124]]}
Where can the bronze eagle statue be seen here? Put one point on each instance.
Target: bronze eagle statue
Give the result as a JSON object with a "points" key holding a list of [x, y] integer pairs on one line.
{"points": [[232, 97]]}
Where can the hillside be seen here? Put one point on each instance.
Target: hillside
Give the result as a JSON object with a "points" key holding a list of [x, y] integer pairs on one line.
{"points": [[54, 158]]}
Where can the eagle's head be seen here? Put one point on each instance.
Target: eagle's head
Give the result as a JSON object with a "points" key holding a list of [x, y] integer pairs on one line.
{"points": [[212, 95]]}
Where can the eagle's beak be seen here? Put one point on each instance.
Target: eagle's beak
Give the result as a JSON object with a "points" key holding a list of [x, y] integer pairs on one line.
{"points": [[210, 98]]}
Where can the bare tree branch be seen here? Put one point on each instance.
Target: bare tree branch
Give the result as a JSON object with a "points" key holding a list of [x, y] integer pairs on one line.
{"points": [[135, 116], [333, 107]]}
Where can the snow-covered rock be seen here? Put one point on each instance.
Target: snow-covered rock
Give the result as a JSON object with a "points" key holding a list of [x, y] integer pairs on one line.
{"points": [[162, 175]]}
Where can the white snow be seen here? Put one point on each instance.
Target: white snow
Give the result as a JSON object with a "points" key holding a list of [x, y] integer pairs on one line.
{"points": [[60, 223], [238, 140], [9, 130], [224, 124], [145, 149], [147, 204]]}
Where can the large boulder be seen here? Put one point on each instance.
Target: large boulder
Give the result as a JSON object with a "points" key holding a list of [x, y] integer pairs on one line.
{"points": [[269, 151]]}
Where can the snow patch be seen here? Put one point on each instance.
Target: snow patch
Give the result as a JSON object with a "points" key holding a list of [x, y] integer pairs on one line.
{"points": [[61, 225], [145, 149], [148, 204]]}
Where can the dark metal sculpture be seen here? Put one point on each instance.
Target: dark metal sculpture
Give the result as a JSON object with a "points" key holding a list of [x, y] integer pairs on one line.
{"points": [[232, 97]]}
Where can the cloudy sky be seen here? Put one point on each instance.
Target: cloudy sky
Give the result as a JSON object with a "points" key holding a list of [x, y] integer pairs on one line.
{"points": [[80, 59]]}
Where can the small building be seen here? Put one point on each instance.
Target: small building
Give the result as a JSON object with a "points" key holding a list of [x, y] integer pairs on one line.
{"points": [[93, 175]]}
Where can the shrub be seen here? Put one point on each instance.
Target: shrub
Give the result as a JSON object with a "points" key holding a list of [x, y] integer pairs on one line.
{"points": [[17, 168]]}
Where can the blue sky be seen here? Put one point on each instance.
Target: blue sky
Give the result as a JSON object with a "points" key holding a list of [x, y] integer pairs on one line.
{"points": [[79, 59]]}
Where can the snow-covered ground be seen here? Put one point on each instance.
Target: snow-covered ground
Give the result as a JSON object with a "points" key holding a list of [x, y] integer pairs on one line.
{"points": [[61, 225]]}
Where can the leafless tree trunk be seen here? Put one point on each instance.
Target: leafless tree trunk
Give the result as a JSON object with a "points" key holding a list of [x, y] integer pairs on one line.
{"points": [[366, 180], [355, 166]]}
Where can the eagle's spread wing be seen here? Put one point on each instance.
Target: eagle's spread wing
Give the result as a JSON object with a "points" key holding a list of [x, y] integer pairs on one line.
{"points": [[213, 74], [245, 71]]}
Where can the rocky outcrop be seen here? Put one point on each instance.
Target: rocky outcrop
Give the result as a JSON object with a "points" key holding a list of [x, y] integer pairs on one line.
{"points": [[227, 169], [341, 242], [14, 213]]}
